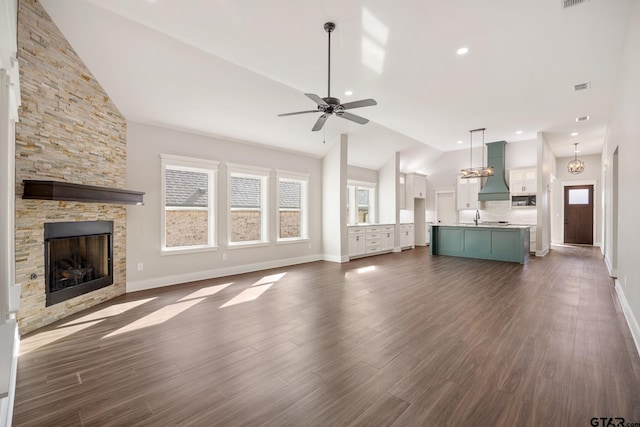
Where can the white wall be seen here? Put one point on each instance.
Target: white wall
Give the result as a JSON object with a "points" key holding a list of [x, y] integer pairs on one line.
{"points": [[144, 145], [334, 197], [623, 133], [546, 172], [388, 194], [592, 174], [357, 173], [9, 103]]}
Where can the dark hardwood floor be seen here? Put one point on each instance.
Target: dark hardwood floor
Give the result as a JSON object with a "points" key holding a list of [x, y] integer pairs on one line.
{"points": [[399, 339]]}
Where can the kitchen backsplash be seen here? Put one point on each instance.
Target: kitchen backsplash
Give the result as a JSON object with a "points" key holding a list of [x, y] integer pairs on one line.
{"points": [[501, 211]]}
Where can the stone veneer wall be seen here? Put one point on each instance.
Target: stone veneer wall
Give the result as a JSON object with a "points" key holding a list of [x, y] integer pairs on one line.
{"points": [[68, 130]]}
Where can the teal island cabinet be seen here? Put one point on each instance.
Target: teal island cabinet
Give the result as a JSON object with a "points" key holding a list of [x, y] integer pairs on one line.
{"points": [[498, 243]]}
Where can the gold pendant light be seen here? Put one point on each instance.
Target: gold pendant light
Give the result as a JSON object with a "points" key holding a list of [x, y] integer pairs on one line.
{"points": [[575, 166], [471, 171]]}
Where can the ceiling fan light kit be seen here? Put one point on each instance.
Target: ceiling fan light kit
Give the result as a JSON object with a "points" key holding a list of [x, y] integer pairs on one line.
{"points": [[330, 105]]}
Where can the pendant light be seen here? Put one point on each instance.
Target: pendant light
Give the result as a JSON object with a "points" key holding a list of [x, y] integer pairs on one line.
{"points": [[476, 172], [575, 166]]}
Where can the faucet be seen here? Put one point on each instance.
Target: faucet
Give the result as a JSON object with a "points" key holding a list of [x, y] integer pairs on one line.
{"points": [[476, 217]]}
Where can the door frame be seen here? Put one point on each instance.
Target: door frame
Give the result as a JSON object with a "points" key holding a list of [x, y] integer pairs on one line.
{"points": [[452, 192], [593, 182]]}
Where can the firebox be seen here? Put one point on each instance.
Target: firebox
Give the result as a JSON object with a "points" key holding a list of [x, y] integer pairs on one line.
{"points": [[78, 258]]}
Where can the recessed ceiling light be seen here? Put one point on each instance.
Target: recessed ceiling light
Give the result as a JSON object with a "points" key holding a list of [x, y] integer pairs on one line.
{"points": [[518, 132], [574, 134], [348, 92], [459, 142], [462, 51], [582, 119]]}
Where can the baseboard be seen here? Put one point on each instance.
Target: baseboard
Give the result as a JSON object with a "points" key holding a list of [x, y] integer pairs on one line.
{"points": [[159, 282], [612, 271], [335, 258], [628, 314], [542, 252]]}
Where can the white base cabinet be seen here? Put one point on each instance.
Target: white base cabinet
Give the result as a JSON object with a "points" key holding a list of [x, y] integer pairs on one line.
{"points": [[370, 239], [406, 236]]}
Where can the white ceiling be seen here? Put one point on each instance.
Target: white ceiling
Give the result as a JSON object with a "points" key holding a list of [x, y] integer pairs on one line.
{"points": [[227, 68]]}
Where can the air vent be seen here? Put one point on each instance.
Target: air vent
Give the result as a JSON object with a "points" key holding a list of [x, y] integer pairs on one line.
{"points": [[582, 119], [569, 3], [582, 86]]}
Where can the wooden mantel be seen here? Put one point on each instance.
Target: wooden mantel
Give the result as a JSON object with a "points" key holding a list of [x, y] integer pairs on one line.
{"points": [[56, 190]]}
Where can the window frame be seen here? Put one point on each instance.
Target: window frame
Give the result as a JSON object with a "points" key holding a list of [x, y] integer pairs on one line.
{"points": [[169, 161], [250, 172], [303, 179], [352, 197]]}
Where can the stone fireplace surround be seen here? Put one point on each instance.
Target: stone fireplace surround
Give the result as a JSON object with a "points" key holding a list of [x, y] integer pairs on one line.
{"points": [[68, 131]]}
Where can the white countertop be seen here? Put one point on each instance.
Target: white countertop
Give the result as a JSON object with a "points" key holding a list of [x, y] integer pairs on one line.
{"points": [[483, 225]]}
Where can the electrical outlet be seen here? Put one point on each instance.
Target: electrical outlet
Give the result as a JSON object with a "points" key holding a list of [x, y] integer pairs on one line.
{"points": [[140, 266], [224, 257]]}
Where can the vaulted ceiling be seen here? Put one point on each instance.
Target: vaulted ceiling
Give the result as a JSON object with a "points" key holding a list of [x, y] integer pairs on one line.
{"points": [[227, 68]]}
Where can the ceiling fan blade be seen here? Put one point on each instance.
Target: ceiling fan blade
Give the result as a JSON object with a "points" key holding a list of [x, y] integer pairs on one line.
{"points": [[320, 122], [352, 117], [299, 112], [315, 98], [357, 104]]}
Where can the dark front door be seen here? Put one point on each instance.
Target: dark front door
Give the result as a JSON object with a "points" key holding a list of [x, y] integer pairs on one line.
{"points": [[578, 214]]}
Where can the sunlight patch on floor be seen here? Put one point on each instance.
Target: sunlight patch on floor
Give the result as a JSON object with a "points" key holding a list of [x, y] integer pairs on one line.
{"points": [[107, 312], [250, 294], [45, 338], [205, 292], [357, 271], [157, 317], [269, 279]]}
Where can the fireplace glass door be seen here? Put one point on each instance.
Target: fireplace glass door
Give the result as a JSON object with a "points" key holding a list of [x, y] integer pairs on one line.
{"points": [[77, 264]]}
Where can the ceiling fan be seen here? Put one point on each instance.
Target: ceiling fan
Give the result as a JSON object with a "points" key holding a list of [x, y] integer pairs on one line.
{"points": [[329, 105]]}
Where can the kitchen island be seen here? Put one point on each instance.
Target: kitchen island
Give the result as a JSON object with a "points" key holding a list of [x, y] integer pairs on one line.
{"points": [[493, 242]]}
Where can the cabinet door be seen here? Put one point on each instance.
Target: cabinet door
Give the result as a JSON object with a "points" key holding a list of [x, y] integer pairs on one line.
{"points": [[468, 189], [419, 186], [530, 181], [356, 244]]}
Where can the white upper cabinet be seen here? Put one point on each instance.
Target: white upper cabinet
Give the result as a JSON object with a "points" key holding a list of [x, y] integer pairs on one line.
{"points": [[415, 187], [468, 189], [523, 181]]}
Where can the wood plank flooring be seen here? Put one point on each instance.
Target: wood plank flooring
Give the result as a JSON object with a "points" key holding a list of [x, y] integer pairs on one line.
{"points": [[394, 340]]}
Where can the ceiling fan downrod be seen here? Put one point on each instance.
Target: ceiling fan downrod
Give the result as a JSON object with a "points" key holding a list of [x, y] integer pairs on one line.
{"points": [[329, 27]]}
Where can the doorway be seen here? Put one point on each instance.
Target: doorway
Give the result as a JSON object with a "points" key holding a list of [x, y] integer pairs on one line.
{"points": [[446, 207], [578, 214]]}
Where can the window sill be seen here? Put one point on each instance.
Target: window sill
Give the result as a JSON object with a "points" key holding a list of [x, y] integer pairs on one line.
{"points": [[255, 244], [292, 241], [187, 250]]}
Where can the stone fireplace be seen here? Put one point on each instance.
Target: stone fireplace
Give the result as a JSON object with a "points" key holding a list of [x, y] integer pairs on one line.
{"points": [[69, 131]]}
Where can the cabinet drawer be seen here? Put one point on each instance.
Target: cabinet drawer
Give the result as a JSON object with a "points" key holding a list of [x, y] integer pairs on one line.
{"points": [[406, 227], [373, 242], [375, 229], [375, 248], [387, 228], [356, 230], [371, 236]]}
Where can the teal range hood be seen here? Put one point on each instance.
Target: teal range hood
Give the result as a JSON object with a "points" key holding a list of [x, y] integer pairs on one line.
{"points": [[496, 187]]}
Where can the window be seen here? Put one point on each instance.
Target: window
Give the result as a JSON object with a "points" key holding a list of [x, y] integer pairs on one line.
{"points": [[188, 200], [292, 206], [579, 196], [361, 203], [248, 188]]}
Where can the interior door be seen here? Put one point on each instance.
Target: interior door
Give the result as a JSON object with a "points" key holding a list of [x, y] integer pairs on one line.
{"points": [[578, 214], [446, 208]]}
